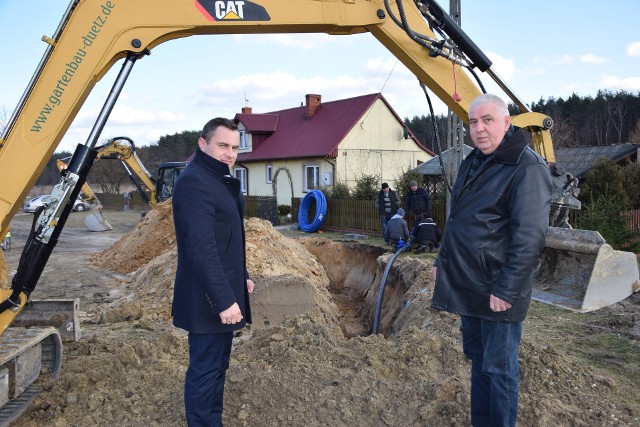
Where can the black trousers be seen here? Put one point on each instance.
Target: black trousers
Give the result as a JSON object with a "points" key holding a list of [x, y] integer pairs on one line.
{"points": [[204, 383]]}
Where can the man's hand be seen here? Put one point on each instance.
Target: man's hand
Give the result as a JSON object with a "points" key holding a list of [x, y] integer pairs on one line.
{"points": [[434, 273], [496, 304], [250, 286], [231, 315]]}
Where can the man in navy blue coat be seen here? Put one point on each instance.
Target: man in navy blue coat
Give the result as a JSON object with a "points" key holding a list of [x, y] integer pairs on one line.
{"points": [[212, 286]]}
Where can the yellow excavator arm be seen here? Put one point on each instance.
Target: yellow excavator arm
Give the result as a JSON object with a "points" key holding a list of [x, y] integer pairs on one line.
{"points": [[94, 34], [123, 149]]}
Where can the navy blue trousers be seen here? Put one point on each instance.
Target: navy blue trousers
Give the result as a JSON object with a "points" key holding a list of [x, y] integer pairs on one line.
{"points": [[492, 348], [204, 383]]}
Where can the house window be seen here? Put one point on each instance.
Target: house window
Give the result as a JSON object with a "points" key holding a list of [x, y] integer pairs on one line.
{"points": [[244, 140], [311, 177], [241, 174], [268, 174]]}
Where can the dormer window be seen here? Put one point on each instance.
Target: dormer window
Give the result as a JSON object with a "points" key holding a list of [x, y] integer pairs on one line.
{"points": [[244, 140]]}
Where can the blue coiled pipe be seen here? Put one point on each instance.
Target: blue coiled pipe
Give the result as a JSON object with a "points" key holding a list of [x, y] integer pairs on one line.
{"points": [[321, 211]]}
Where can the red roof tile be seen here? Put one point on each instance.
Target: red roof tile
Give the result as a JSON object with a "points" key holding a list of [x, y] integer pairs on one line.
{"points": [[298, 137], [258, 123]]}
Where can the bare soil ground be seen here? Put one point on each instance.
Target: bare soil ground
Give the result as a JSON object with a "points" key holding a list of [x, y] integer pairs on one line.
{"points": [[310, 358]]}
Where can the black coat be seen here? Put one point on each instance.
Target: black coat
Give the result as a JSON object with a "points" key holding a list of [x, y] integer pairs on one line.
{"points": [[427, 230], [208, 213], [495, 233], [418, 202], [395, 202]]}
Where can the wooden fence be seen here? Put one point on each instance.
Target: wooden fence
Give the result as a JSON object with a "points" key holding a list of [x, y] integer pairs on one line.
{"points": [[348, 215], [358, 215], [362, 215]]}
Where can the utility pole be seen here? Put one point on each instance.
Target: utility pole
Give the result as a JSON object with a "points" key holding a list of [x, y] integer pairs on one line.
{"points": [[455, 126]]}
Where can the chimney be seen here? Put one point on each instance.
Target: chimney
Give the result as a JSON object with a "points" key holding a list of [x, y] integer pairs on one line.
{"points": [[313, 103], [246, 110]]}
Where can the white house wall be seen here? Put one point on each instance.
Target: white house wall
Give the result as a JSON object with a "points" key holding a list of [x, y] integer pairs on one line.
{"points": [[258, 185], [376, 146]]}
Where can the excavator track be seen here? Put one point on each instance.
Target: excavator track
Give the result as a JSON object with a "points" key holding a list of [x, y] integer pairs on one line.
{"points": [[24, 354]]}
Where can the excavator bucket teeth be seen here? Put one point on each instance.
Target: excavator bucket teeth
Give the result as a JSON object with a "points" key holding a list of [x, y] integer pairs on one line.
{"points": [[96, 222], [579, 271]]}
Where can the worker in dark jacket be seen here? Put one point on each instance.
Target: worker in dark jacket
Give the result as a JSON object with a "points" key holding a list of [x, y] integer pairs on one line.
{"points": [[493, 238], [387, 204], [426, 234], [212, 286], [418, 202]]}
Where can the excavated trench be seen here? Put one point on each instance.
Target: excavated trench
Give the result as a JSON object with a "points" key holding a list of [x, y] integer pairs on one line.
{"points": [[354, 271]]}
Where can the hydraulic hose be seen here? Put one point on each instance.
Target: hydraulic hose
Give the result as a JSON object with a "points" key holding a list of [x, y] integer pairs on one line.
{"points": [[314, 196], [383, 283]]}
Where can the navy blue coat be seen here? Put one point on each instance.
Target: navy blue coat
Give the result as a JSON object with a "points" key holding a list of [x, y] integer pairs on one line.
{"points": [[495, 233], [208, 213]]}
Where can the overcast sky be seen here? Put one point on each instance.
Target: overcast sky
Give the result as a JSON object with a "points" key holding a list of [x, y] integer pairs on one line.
{"points": [[542, 49]]}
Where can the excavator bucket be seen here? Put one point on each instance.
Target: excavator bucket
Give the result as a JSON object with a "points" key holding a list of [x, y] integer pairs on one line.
{"points": [[579, 271], [95, 221]]}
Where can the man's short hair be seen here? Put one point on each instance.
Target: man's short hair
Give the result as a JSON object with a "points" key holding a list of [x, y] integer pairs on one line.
{"points": [[212, 125], [489, 98]]}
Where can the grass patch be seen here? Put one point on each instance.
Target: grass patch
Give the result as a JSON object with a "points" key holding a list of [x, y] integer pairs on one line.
{"points": [[599, 341]]}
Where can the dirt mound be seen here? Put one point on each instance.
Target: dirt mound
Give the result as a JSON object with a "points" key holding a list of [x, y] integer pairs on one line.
{"points": [[294, 366], [153, 236], [289, 280]]}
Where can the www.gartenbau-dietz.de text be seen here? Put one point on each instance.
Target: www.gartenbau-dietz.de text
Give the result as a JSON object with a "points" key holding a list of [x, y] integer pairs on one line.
{"points": [[72, 66]]}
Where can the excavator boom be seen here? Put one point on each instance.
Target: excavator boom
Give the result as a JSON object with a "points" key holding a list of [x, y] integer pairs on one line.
{"points": [[94, 34]]}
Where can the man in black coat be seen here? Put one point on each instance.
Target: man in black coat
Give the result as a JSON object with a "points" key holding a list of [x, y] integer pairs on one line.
{"points": [[493, 238], [212, 285], [418, 202]]}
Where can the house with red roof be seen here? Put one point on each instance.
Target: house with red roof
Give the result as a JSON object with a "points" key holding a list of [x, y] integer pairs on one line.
{"points": [[290, 152]]}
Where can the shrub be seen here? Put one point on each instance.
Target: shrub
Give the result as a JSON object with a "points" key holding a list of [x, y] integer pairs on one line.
{"points": [[367, 187], [341, 191], [326, 190], [284, 210], [604, 179], [402, 182], [603, 216]]}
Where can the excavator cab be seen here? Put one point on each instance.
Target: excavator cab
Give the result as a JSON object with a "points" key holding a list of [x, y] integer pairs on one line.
{"points": [[168, 172]]}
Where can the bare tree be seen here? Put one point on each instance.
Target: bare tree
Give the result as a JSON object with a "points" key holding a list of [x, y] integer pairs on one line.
{"points": [[617, 111], [108, 174], [634, 135], [563, 132]]}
